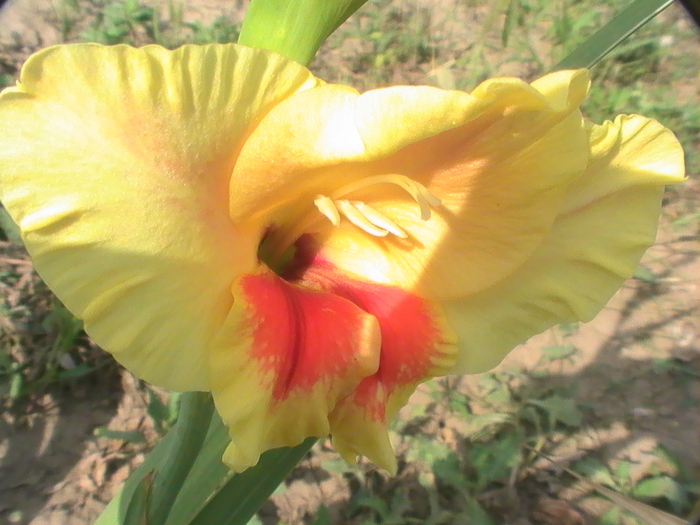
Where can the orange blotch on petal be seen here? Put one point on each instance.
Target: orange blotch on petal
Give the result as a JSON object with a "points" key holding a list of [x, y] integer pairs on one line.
{"points": [[304, 336], [323, 352], [285, 358], [416, 346]]}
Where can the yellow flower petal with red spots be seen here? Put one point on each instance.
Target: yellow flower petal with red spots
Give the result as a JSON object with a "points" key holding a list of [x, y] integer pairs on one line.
{"points": [[224, 221]]}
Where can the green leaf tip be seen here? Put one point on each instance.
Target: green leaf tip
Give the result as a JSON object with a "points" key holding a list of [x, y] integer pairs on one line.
{"points": [[613, 33], [295, 29]]}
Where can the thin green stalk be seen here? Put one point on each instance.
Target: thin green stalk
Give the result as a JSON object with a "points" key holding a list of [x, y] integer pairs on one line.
{"points": [[251, 488], [294, 28]]}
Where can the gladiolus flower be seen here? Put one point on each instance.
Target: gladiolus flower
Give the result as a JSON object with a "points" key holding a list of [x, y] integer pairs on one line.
{"points": [[222, 220]]}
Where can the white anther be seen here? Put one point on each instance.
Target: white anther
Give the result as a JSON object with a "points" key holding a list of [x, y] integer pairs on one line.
{"points": [[379, 220], [420, 193], [328, 208], [358, 219]]}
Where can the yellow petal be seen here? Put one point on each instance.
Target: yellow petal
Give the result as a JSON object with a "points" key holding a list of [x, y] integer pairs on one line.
{"points": [[359, 424], [312, 130], [564, 88], [328, 127], [608, 220], [115, 164], [633, 151], [501, 178], [332, 126]]}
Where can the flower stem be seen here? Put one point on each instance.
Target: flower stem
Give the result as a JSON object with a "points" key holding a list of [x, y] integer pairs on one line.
{"points": [[184, 482]]}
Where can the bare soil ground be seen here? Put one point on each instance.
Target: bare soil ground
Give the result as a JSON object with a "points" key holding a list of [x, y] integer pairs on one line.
{"points": [[637, 373]]}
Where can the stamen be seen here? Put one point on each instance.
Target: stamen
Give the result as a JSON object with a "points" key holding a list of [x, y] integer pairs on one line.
{"points": [[379, 220], [335, 206], [328, 208], [420, 193], [358, 219]]}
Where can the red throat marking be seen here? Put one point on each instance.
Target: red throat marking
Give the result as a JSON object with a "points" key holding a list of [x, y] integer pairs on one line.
{"points": [[305, 336]]}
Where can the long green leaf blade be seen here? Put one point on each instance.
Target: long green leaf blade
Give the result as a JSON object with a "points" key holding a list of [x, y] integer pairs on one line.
{"points": [[613, 33], [212, 493], [196, 413], [238, 501], [130, 502], [158, 480], [196, 487], [206, 477]]}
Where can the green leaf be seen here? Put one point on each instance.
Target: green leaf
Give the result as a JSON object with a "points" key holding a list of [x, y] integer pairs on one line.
{"points": [[196, 415], [9, 228], [557, 352], [494, 460], [374, 503], [162, 414], [594, 470], [687, 219], [559, 409], [475, 514], [169, 463], [622, 472], [156, 408], [190, 484], [295, 29], [130, 436], [645, 274], [646, 513], [323, 516], [16, 385], [611, 517], [613, 33], [476, 425], [137, 510], [449, 471], [662, 487], [80, 370], [428, 451], [667, 462], [207, 475], [250, 489], [511, 20], [120, 509]]}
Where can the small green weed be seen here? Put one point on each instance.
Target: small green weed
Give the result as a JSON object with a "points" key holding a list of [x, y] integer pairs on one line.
{"points": [[9, 231], [386, 41], [36, 354], [162, 415], [136, 23], [221, 30], [127, 22], [5, 80], [504, 424], [663, 483]]}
